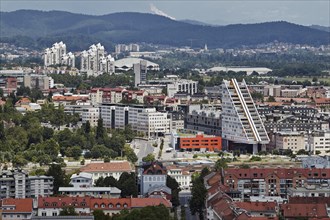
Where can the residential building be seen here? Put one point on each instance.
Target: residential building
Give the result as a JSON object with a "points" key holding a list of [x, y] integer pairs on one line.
{"points": [[140, 73], [181, 175], [207, 121], [319, 142], [241, 122], [81, 180], [84, 206], [56, 55], [195, 141], [104, 192], [272, 182], [16, 209], [120, 48], [95, 62], [90, 114], [310, 191], [304, 211], [113, 168], [18, 184], [153, 176], [52, 206], [288, 140], [41, 82]]}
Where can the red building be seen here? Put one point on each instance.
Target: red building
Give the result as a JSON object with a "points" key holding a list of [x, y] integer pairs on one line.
{"points": [[198, 142]]}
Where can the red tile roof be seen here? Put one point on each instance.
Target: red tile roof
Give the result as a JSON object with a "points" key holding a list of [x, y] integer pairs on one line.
{"points": [[143, 202], [120, 166], [110, 204], [304, 210], [21, 205], [309, 200], [257, 206], [59, 202]]}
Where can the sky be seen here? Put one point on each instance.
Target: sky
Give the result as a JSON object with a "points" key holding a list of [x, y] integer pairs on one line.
{"points": [[221, 12]]}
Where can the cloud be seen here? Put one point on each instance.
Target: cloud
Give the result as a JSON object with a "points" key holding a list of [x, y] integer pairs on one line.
{"points": [[157, 11]]}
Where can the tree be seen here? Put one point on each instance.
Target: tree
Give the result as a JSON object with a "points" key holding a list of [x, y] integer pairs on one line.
{"points": [[100, 130], [60, 178], [130, 154], [302, 152], [87, 127], [317, 152], [174, 186], [68, 211], [74, 152], [110, 181], [127, 185], [2, 131], [99, 182], [271, 99], [99, 215], [197, 201], [149, 158], [220, 164]]}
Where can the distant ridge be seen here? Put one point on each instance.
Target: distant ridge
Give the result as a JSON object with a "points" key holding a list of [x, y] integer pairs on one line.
{"points": [[41, 28]]}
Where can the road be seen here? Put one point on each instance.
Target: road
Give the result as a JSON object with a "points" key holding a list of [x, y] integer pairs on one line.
{"points": [[142, 148], [184, 201]]}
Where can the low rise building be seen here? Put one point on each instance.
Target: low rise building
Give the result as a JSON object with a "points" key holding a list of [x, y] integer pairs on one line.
{"points": [[114, 169], [104, 192], [194, 141], [153, 176], [16, 209]]}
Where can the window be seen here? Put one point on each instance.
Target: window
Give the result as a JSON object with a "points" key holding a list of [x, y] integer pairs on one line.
{"points": [[110, 205], [96, 205], [54, 213], [43, 214], [118, 205]]}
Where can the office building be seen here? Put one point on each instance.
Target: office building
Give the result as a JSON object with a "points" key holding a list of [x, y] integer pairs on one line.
{"points": [[140, 73], [241, 123], [195, 141], [182, 86], [90, 114], [142, 119]]}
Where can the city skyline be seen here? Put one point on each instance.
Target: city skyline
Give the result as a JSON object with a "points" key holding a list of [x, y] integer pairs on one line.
{"points": [[212, 12]]}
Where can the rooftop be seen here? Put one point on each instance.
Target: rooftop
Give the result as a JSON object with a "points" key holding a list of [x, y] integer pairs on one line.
{"points": [[114, 166]]}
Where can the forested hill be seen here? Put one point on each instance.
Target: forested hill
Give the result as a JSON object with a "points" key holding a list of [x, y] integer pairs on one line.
{"points": [[41, 29]]}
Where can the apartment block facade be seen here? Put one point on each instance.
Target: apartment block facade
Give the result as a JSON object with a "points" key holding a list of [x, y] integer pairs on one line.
{"points": [[272, 181], [18, 184]]}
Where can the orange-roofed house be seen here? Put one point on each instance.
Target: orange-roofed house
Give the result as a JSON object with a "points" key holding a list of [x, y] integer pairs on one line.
{"points": [[52, 206], [114, 169], [17, 208]]}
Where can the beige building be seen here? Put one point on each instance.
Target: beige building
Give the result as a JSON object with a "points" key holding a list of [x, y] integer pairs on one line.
{"points": [[292, 140], [319, 141]]}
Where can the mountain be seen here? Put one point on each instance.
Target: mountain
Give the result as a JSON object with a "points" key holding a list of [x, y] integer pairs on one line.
{"points": [[41, 29], [194, 22], [319, 27]]}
